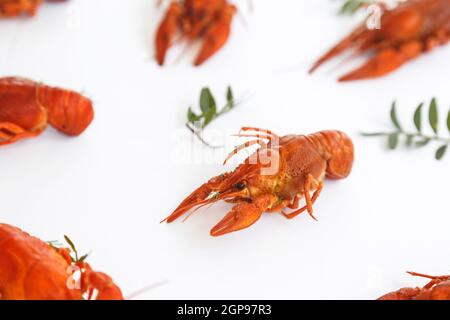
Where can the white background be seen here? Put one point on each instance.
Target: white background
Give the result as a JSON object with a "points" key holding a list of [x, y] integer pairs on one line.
{"points": [[110, 188]]}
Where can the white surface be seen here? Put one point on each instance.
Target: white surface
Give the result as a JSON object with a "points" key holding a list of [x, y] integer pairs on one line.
{"points": [[110, 188]]}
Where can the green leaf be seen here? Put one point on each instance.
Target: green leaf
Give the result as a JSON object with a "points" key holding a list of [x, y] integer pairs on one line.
{"points": [[394, 116], [83, 257], [208, 106], [409, 140], [72, 246], [418, 117], [351, 6], [192, 116], [208, 118], [207, 102], [393, 141], [441, 152], [230, 97], [70, 243], [423, 142], [448, 121], [433, 116]]}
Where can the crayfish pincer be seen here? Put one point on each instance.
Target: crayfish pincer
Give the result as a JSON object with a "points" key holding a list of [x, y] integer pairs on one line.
{"points": [[437, 289], [283, 171], [413, 28], [26, 107]]}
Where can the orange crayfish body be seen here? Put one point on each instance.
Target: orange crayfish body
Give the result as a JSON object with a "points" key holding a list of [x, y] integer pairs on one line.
{"points": [[437, 289], [411, 29], [209, 20], [14, 8], [31, 269], [278, 175], [26, 107]]}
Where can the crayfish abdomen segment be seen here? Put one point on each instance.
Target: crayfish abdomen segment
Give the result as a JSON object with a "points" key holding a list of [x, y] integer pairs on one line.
{"points": [[18, 104], [26, 107], [68, 111], [337, 150]]}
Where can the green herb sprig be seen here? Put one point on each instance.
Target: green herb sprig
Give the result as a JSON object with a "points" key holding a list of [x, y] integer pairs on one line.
{"points": [[74, 257], [352, 6], [417, 139], [209, 112]]}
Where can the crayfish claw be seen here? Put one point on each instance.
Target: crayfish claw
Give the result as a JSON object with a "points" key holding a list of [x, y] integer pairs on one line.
{"points": [[217, 35], [167, 31], [383, 63], [240, 217], [243, 215], [106, 288]]}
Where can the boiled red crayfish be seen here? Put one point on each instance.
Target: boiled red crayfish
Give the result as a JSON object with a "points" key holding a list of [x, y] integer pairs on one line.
{"points": [[14, 8], [31, 269], [26, 107], [437, 289], [281, 172], [209, 20], [411, 29]]}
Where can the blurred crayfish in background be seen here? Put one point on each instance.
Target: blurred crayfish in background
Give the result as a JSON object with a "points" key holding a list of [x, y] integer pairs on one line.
{"points": [[437, 289], [27, 107], [31, 269], [14, 8], [411, 29], [209, 20]]}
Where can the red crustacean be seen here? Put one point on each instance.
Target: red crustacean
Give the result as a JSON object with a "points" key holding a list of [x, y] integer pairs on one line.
{"points": [[411, 29], [209, 20], [281, 172], [437, 289], [14, 8], [31, 269], [26, 107]]}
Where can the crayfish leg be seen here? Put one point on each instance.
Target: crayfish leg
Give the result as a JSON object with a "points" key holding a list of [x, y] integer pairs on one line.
{"points": [[244, 146], [264, 131], [309, 200], [10, 133]]}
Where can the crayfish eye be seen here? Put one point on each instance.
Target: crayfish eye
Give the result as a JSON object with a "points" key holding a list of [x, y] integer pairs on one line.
{"points": [[240, 185]]}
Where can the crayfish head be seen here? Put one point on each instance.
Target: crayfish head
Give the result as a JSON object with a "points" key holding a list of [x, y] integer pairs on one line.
{"points": [[228, 187]]}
